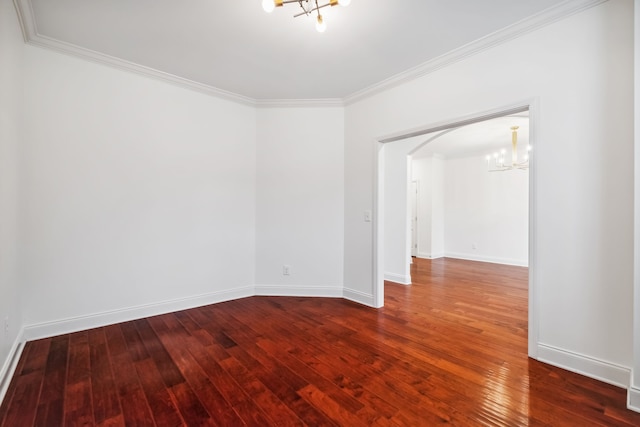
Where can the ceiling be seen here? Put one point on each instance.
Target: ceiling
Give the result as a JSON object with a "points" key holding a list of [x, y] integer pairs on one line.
{"points": [[480, 138], [234, 46]]}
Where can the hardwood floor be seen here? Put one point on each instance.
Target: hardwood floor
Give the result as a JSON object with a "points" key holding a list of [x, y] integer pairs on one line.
{"points": [[452, 348]]}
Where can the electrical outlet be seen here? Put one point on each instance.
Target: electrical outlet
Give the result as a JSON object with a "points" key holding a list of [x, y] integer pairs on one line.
{"points": [[286, 270]]}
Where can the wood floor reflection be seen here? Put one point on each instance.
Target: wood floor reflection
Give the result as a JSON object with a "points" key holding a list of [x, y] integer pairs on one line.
{"points": [[452, 348]]}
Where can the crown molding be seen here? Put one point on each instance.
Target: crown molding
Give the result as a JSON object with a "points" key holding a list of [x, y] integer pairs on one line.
{"points": [[532, 23], [25, 17], [567, 8], [299, 103], [32, 37]]}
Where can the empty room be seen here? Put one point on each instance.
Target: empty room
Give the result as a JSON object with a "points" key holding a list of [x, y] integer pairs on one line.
{"points": [[195, 227]]}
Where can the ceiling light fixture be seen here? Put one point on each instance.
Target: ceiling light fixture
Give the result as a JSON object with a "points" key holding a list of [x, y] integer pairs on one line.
{"points": [[498, 157], [307, 6]]}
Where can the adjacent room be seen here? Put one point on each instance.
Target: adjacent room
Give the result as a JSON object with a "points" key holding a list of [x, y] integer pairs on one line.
{"points": [[444, 198], [196, 227]]}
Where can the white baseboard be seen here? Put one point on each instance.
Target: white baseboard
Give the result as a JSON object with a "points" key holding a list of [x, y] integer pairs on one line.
{"points": [[299, 291], [65, 326], [397, 278], [359, 297], [584, 365], [81, 323], [633, 399], [10, 364], [493, 260], [427, 255]]}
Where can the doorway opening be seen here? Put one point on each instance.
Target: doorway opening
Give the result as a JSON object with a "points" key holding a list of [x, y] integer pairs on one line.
{"points": [[420, 138]]}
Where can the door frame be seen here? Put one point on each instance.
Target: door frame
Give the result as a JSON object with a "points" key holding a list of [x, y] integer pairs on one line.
{"points": [[532, 105]]}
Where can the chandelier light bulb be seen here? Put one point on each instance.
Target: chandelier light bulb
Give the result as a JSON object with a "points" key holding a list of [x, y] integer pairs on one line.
{"points": [[344, 3], [321, 26], [268, 5]]}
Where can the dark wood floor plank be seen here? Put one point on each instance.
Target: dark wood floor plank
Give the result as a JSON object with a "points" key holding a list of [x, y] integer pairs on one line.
{"points": [[201, 317], [190, 407], [281, 383], [135, 408], [401, 392], [35, 357], [314, 365], [274, 402], [224, 382], [370, 372], [106, 405], [449, 349], [135, 345], [78, 403], [51, 404], [163, 407], [170, 373], [32, 360], [221, 412], [22, 407], [340, 415], [314, 374]]}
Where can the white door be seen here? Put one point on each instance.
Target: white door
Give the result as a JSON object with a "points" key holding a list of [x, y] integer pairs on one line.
{"points": [[414, 218]]}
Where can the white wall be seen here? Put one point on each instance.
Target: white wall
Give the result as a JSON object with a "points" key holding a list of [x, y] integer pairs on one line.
{"points": [[135, 193], [397, 255], [11, 86], [300, 201], [488, 210], [579, 71]]}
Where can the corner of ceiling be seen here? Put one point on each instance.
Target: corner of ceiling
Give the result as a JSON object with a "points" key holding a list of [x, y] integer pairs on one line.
{"points": [[299, 103], [26, 19], [31, 36]]}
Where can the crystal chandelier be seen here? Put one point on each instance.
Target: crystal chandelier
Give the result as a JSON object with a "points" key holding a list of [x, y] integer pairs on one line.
{"points": [[307, 6], [499, 163]]}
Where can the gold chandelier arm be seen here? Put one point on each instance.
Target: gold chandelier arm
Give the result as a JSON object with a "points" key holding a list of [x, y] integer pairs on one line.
{"points": [[308, 8], [310, 11]]}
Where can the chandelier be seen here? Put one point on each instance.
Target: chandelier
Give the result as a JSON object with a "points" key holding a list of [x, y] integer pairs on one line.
{"points": [[499, 163], [307, 6]]}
